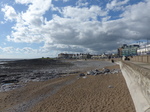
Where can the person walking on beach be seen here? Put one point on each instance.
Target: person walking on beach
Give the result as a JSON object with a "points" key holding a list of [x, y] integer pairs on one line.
{"points": [[112, 61]]}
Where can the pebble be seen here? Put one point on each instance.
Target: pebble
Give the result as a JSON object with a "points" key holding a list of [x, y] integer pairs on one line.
{"points": [[110, 86]]}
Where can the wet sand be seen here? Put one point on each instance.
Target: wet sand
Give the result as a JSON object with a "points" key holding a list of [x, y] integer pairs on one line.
{"points": [[100, 93]]}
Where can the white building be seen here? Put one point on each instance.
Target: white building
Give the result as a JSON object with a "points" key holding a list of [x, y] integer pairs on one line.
{"points": [[144, 50]]}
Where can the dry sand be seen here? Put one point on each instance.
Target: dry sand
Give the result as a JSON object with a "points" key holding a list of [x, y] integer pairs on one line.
{"points": [[71, 94]]}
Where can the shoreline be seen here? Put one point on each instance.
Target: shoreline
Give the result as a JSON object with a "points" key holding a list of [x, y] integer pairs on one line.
{"points": [[15, 74]]}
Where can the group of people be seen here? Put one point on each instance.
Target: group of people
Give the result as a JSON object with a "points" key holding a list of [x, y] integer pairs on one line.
{"points": [[125, 58]]}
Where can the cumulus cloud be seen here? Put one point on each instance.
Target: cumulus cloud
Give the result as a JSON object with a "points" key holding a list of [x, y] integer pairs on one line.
{"points": [[137, 20], [82, 3], [80, 29], [25, 50], [65, 0], [7, 49], [62, 0], [84, 13], [65, 48], [29, 50], [10, 13], [29, 24], [23, 1], [116, 4]]}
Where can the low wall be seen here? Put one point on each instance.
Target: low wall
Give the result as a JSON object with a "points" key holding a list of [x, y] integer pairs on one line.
{"points": [[115, 59], [141, 58], [138, 82]]}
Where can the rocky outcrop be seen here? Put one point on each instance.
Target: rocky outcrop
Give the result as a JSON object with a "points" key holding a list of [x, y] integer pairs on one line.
{"points": [[15, 74]]}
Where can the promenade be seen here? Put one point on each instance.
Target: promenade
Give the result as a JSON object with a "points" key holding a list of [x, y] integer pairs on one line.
{"points": [[144, 65]]}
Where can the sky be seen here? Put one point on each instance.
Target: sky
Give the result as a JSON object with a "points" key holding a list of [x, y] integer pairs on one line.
{"points": [[45, 28]]}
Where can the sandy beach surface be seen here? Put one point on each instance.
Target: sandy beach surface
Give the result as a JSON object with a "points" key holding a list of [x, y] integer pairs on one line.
{"points": [[71, 93]]}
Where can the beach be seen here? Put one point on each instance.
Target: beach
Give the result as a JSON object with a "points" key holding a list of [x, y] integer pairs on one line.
{"points": [[72, 93]]}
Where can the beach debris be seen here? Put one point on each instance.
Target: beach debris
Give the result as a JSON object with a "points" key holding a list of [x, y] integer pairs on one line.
{"points": [[84, 77], [115, 71], [96, 70], [74, 72], [103, 71], [82, 74], [110, 86], [90, 73]]}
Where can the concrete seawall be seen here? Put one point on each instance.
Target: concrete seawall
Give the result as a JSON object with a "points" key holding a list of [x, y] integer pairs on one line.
{"points": [[138, 82]]}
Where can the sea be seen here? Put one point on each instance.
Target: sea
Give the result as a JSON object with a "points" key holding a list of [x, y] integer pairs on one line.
{"points": [[6, 60]]}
